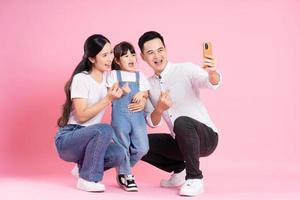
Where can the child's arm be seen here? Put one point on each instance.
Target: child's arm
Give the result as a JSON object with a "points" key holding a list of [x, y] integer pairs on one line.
{"points": [[138, 97]]}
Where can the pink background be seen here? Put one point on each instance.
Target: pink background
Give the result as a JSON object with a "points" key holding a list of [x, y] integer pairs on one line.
{"points": [[256, 44]]}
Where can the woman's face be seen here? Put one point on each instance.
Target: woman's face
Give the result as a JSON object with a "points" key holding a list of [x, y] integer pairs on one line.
{"points": [[127, 62], [103, 60]]}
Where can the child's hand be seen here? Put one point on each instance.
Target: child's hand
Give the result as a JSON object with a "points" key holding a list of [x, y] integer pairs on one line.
{"points": [[138, 97], [126, 88], [136, 107]]}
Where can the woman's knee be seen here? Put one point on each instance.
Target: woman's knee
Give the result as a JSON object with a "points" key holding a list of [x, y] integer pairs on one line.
{"points": [[103, 130]]}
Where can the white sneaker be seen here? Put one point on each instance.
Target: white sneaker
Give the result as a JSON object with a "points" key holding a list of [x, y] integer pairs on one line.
{"points": [[75, 171], [90, 186], [192, 187], [176, 179]]}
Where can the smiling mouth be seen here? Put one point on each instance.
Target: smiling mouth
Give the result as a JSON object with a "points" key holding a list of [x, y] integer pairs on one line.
{"points": [[131, 64], [158, 62]]}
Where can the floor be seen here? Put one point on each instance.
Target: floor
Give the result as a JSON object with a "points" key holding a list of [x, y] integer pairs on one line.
{"points": [[230, 184]]}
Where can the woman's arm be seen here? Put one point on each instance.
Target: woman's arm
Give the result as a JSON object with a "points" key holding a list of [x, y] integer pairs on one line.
{"points": [[83, 112]]}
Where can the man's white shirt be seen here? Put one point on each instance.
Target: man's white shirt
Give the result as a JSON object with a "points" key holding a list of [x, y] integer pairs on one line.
{"points": [[183, 81]]}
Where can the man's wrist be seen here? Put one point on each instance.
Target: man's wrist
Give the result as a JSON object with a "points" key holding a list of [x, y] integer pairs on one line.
{"points": [[158, 111]]}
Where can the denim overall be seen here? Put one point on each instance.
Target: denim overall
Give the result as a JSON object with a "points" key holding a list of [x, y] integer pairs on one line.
{"points": [[130, 127]]}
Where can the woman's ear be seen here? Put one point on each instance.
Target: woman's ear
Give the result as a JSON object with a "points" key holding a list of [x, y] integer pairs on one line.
{"points": [[92, 60]]}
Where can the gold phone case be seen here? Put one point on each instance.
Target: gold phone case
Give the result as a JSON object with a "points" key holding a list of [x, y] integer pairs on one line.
{"points": [[207, 49]]}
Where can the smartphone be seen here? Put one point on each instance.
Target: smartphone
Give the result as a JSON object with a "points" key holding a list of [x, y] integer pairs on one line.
{"points": [[207, 49]]}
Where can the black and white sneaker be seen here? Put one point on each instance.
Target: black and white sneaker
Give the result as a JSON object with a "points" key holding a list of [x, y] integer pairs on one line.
{"points": [[127, 182], [121, 180]]}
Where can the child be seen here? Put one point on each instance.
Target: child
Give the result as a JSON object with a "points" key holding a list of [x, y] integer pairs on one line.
{"points": [[130, 127]]}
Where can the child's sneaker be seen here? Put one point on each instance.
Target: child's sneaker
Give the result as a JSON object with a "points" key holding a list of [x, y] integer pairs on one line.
{"points": [[121, 180], [127, 182]]}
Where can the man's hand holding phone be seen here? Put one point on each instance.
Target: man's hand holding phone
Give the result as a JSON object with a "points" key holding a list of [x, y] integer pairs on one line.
{"points": [[209, 63]]}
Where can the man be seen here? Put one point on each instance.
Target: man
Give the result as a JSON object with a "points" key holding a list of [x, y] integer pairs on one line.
{"points": [[174, 96]]}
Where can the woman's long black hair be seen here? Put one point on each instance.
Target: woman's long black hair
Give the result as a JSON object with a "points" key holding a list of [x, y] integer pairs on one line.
{"points": [[92, 46]]}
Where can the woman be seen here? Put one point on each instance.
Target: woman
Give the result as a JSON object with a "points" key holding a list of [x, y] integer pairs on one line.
{"points": [[81, 137]]}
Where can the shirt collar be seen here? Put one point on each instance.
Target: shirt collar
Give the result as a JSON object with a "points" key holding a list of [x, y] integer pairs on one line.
{"points": [[164, 72]]}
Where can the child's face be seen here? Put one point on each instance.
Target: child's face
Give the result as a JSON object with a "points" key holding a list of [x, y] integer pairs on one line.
{"points": [[127, 62]]}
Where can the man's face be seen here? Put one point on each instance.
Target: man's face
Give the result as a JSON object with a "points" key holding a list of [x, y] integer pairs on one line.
{"points": [[155, 55]]}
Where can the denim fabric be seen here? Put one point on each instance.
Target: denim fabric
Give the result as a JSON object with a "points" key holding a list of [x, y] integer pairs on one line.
{"points": [[90, 147], [130, 127]]}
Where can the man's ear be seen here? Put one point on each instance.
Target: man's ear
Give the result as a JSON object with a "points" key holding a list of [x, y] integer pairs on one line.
{"points": [[92, 60], [142, 56]]}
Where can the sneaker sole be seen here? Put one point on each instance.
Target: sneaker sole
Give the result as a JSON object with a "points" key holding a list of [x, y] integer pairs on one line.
{"points": [[90, 190], [191, 194], [130, 189]]}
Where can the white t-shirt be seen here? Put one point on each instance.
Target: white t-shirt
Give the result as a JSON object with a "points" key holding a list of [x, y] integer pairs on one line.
{"points": [[128, 77], [84, 86]]}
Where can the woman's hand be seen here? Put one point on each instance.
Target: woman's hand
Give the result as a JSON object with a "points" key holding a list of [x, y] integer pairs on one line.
{"points": [[114, 92]]}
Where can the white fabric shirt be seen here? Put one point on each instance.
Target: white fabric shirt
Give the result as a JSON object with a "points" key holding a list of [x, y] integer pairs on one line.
{"points": [[183, 80], [128, 77], [84, 86]]}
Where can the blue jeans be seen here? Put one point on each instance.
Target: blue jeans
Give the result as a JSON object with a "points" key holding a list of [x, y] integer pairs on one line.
{"points": [[90, 147], [130, 128]]}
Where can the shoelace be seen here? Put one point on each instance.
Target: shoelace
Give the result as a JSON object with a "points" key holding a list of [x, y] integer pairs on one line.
{"points": [[130, 178], [130, 181]]}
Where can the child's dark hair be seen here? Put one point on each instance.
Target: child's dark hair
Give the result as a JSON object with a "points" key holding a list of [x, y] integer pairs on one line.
{"points": [[120, 50], [150, 35]]}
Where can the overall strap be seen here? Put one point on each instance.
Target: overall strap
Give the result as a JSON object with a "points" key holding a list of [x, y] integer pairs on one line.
{"points": [[137, 77], [119, 77]]}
